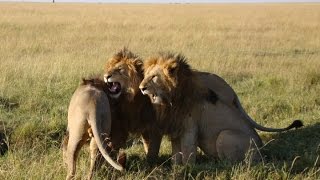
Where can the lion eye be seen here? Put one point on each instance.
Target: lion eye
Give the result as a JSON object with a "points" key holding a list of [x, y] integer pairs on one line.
{"points": [[154, 78], [121, 69]]}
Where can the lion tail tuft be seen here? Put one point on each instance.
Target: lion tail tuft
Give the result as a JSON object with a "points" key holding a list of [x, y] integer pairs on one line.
{"points": [[296, 124]]}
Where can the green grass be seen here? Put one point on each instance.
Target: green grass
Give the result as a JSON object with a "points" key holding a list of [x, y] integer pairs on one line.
{"points": [[269, 53]]}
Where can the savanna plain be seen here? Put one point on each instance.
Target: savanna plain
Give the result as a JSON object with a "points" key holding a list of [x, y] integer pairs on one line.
{"points": [[269, 54]]}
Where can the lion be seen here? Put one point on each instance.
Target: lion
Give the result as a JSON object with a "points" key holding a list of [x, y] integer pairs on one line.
{"points": [[193, 114], [89, 118], [133, 112], [228, 96]]}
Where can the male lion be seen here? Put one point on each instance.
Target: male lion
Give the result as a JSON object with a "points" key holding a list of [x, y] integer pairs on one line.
{"points": [[132, 112], [192, 114], [228, 96], [89, 116]]}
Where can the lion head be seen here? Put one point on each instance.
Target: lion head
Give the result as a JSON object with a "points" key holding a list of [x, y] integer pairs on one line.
{"points": [[123, 73], [165, 76]]}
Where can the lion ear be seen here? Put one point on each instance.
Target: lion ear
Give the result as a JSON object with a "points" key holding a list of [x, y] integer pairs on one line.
{"points": [[172, 68], [138, 62]]}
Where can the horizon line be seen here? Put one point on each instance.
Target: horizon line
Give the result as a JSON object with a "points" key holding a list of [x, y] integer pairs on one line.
{"points": [[162, 2]]}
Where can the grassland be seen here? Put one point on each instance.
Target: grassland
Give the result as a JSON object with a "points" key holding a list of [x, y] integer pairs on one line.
{"points": [[269, 53]]}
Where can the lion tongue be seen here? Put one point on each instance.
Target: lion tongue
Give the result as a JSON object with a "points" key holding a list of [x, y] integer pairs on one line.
{"points": [[115, 88]]}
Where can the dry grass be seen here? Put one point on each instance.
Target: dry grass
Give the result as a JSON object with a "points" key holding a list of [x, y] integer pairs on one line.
{"points": [[269, 53]]}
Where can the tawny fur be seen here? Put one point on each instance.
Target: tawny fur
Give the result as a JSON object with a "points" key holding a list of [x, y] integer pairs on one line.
{"points": [[198, 109], [89, 119]]}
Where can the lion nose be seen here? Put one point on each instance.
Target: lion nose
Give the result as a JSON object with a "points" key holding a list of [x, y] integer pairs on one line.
{"points": [[108, 76], [143, 89]]}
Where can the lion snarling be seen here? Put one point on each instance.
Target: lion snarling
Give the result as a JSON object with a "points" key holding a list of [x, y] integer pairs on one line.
{"points": [[89, 117], [193, 114], [132, 112]]}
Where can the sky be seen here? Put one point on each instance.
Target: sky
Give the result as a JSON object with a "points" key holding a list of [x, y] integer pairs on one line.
{"points": [[163, 1]]}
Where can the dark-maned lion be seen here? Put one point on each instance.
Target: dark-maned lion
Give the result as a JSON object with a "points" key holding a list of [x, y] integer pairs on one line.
{"points": [[132, 112], [192, 114]]}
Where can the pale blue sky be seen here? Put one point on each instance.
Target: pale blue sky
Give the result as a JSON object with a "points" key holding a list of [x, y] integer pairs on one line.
{"points": [[164, 1]]}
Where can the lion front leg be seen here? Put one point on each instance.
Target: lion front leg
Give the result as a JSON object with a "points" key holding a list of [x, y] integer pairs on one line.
{"points": [[189, 146], [185, 147], [151, 143], [176, 151]]}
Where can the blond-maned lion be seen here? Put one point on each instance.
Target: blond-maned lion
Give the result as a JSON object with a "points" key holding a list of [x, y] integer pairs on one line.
{"points": [[192, 114], [89, 117], [132, 112]]}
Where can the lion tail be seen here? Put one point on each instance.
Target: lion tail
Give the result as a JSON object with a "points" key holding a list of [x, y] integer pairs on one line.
{"points": [[102, 146], [295, 124]]}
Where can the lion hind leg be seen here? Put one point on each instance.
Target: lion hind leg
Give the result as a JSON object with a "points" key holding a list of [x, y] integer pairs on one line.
{"points": [[95, 158], [74, 145], [235, 145], [64, 148], [122, 158]]}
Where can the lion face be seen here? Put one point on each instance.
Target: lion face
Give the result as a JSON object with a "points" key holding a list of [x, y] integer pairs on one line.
{"points": [[123, 74], [116, 77], [160, 79]]}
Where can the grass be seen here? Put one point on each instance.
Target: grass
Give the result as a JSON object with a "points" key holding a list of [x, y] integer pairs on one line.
{"points": [[269, 53]]}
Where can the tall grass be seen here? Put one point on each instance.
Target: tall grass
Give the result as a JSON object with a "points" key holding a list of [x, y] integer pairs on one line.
{"points": [[269, 53]]}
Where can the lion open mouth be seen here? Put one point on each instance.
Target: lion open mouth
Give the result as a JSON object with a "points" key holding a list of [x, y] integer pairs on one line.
{"points": [[153, 97], [114, 87]]}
